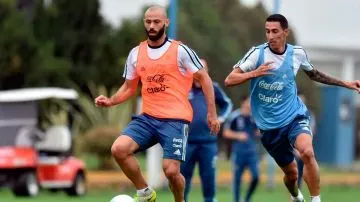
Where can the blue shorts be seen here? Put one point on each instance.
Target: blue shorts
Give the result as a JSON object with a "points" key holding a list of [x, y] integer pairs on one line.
{"points": [[280, 142], [172, 135]]}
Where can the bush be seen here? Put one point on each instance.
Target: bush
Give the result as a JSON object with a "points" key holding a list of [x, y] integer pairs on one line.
{"points": [[97, 141], [97, 128]]}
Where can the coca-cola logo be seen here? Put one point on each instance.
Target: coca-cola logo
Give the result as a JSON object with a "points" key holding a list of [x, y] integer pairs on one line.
{"points": [[271, 86], [157, 78]]}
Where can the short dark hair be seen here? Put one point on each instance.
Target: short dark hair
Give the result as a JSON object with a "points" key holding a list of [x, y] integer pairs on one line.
{"points": [[278, 18]]}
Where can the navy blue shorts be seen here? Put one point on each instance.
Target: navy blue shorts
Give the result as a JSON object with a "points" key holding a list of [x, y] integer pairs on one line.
{"points": [[280, 142], [172, 135]]}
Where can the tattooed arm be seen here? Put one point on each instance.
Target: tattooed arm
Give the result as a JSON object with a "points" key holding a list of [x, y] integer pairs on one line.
{"points": [[318, 76]]}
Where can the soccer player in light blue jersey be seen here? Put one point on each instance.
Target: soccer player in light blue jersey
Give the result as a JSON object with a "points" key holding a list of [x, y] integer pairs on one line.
{"points": [[281, 116]]}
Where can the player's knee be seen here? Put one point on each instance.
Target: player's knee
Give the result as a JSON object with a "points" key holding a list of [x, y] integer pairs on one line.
{"points": [[171, 170], [292, 176], [307, 154], [119, 150]]}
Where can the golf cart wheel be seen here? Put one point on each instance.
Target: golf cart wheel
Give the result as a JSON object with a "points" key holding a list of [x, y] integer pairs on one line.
{"points": [[26, 185], [79, 186]]}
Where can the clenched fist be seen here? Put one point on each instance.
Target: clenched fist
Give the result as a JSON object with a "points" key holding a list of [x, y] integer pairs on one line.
{"points": [[214, 124], [103, 101]]}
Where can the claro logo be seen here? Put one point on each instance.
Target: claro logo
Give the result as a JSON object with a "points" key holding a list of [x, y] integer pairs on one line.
{"points": [[161, 88]]}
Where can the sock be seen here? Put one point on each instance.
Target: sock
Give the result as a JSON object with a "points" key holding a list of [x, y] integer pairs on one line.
{"points": [[299, 197], [315, 198], [144, 192]]}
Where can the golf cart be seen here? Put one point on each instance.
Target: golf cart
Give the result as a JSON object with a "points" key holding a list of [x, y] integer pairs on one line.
{"points": [[32, 158]]}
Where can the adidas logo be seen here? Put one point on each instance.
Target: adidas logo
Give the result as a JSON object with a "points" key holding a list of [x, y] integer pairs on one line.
{"points": [[177, 152]]}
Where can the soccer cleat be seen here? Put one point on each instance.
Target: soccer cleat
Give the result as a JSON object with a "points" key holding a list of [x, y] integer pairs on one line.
{"points": [[150, 198], [294, 200]]}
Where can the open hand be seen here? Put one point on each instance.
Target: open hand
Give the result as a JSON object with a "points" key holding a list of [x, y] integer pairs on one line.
{"points": [[263, 69]]}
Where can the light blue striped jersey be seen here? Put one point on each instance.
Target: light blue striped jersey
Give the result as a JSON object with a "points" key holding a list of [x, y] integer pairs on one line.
{"points": [[274, 99]]}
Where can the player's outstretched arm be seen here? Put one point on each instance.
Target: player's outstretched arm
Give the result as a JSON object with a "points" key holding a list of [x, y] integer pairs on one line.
{"points": [[321, 77], [206, 84], [125, 91], [237, 76]]}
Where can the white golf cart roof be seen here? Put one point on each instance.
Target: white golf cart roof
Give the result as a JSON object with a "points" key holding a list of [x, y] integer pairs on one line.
{"points": [[31, 94]]}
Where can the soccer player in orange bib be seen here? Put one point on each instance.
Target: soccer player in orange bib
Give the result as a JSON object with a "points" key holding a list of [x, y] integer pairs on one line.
{"points": [[166, 69]]}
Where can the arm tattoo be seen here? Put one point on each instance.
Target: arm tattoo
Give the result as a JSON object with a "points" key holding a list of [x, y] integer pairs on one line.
{"points": [[315, 75]]}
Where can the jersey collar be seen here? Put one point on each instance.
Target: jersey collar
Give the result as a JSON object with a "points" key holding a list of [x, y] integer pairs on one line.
{"points": [[277, 53], [156, 47]]}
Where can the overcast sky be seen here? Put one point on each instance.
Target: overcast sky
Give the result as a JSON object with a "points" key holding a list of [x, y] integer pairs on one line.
{"points": [[315, 22], [115, 10]]}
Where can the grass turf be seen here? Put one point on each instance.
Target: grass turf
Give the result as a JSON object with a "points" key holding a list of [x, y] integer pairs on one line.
{"points": [[329, 194]]}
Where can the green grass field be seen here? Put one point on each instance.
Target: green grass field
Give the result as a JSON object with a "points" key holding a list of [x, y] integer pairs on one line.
{"points": [[333, 193], [329, 194]]}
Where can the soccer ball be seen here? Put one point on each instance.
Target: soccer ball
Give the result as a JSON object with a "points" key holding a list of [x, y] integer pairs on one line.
{"points": [[122, 198]]}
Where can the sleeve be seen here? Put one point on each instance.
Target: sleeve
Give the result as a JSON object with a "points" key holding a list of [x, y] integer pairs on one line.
{"points": [[130, 65], [313, 122], [189, 59], [223, 101], [248, 62], [304, 60]]}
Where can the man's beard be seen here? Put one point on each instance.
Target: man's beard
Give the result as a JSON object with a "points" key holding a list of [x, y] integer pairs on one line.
{"points": [[156, 37]]}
